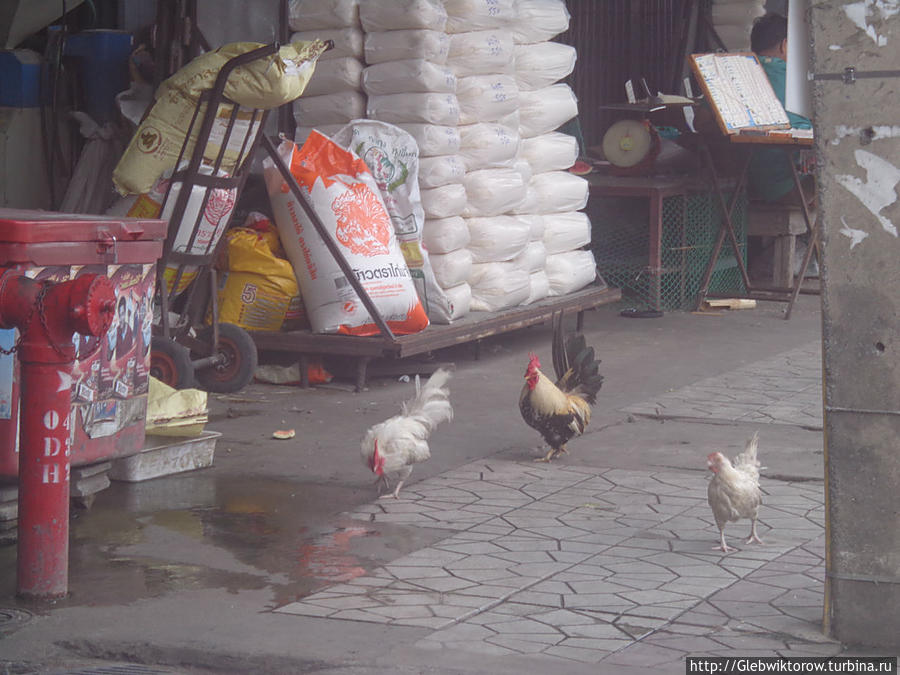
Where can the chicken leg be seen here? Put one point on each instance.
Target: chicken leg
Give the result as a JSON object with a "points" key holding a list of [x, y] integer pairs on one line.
{"points": [[753, 536], [402, 475], [552, 453], [725, 548]]}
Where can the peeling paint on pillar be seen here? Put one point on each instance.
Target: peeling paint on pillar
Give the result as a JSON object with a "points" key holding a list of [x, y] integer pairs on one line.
{"points": [[858, 143]]}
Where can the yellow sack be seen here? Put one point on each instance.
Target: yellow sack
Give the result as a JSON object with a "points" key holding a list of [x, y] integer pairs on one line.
{"points": [[263, 83], [260, 291]]}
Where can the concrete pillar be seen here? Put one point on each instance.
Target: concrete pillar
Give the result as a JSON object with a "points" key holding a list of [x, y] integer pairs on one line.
{"points": [[858, 142]]}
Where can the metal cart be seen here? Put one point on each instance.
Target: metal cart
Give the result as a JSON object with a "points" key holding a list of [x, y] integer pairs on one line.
{"points": [[189, 345]]}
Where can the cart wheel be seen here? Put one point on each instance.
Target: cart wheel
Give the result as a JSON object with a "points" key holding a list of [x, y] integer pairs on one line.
{"points": [[170, 362], [240, 360]]}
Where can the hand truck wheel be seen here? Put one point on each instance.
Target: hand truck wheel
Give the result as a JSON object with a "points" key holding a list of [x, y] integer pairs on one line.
{"points": [[238, 357], [170, 363]]}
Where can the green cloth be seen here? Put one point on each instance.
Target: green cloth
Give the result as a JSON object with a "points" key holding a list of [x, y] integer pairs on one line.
{"points": [[770, 176]]}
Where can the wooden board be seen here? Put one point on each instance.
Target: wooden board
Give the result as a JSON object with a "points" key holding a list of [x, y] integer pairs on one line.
{"points": [[474, 326], [739, 93]]}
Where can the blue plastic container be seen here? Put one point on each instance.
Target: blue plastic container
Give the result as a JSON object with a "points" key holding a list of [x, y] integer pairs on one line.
{"points": [[20, 78], [103, 68]]}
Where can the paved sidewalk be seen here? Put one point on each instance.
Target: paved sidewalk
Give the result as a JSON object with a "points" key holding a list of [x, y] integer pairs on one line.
{"points": [[785, 389], [609, 566]]}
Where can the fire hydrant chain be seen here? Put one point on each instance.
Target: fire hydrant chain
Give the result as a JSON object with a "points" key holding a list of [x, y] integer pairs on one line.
{"points": [[43, 317], [15, 347]]}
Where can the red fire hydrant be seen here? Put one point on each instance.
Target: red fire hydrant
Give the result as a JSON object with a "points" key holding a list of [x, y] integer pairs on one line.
{"points": [[47, 316]]}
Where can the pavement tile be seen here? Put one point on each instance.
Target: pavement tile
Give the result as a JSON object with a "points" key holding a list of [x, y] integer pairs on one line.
{"points": [[520, 645], [583, 655], [644, 654]]}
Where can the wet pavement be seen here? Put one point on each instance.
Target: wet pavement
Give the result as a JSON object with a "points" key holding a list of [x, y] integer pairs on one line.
{"points": [[281, 558]]}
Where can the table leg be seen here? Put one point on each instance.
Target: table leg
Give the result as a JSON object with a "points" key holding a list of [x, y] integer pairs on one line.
{"points": [[727, 227], [656, 225]]}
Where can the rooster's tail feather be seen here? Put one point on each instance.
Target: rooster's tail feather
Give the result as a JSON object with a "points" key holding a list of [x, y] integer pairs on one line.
{"points": [[577, 368], [431, 405]]}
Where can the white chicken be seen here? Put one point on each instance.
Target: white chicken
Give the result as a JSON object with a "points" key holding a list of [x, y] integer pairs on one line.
{"points": [[395, 445], [733, 493]]}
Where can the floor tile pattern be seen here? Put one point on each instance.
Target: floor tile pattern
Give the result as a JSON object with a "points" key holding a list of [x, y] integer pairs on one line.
{"points": [[785, 389]]}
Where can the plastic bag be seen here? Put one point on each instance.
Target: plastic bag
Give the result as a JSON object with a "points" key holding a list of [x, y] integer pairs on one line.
{"points": [[570, 271], [344, 194], [383, 15], [486, 98], [315, 14], [302, 132], [397, 45], [537, 223], [329, 109], [497, 238], [445, 235], [567, 231], [451, 269], [440, 109], [543, 110], [460, 300], [437, 171], [444, 201], [491, 192], [542, 64], [217, 211], [554, 151], [540, 20], [465, 16], [336, 75], [434, 140], [539, 287], [532, 258], [408, 76], [392, 157], [555, 192], [482, 52], [488, 145], [259, 288], [498, 285]]}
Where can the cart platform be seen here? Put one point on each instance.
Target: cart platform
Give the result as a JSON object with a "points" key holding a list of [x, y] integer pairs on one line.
{"points": [[472, 327]]}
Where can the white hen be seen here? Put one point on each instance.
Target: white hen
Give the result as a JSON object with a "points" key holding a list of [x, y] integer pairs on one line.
{"points": [[395, 445], [733, 493]]}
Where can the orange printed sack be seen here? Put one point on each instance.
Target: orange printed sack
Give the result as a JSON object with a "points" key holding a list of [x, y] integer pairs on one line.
{"points": [[345, 196]]}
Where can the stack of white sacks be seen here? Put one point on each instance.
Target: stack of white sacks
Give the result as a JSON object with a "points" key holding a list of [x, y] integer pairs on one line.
{"points": [[476, 83], [409, 84], [334, 94], [555, 197]]}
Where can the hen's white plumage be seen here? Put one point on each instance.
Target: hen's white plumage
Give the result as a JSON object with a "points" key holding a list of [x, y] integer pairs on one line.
{"points": [[733, 493], [392, 447]]}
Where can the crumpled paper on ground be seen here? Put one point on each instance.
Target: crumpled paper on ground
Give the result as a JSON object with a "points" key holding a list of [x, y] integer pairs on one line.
{"points": [[175, 412]]}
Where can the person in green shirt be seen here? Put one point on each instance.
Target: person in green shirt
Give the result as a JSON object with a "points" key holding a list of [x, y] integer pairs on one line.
{"points": [[770, 178]]}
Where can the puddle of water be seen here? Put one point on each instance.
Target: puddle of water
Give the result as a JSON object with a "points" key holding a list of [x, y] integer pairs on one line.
{"points": [[144, 540]]}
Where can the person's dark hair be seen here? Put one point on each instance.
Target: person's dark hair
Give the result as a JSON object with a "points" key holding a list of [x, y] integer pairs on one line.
{"points": [[768, 31]]}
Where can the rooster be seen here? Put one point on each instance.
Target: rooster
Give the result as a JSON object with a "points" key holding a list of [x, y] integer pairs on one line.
{"points": [[733, 493], [561, 411], [395, 445]]}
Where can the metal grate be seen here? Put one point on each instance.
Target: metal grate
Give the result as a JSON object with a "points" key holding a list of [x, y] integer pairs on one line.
{"points": [[690, 224]]}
